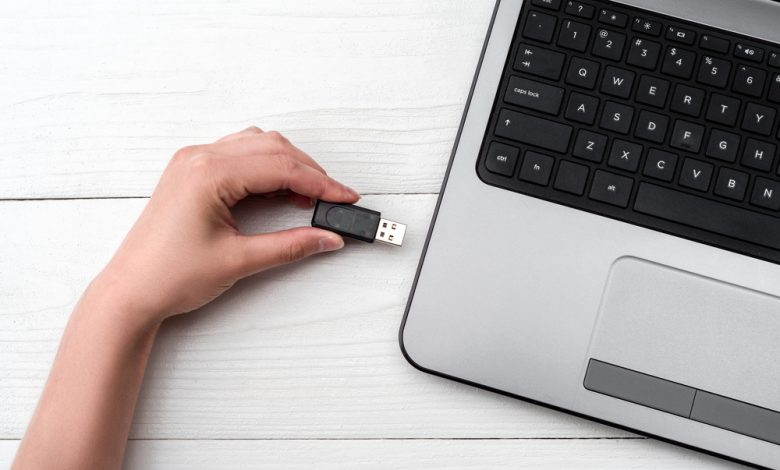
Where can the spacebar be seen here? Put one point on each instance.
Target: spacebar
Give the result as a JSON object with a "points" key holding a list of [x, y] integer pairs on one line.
{"points": [[708, 215]]}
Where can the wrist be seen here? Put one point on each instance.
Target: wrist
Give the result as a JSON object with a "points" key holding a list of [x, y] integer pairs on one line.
{"points": [[110, 299]]}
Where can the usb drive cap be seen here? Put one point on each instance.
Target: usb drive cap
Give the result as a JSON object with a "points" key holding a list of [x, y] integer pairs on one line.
{"points": [[358, 223]]}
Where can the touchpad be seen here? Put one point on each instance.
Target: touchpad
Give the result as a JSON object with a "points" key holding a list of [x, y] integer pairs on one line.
{"points": [[670, 339]]}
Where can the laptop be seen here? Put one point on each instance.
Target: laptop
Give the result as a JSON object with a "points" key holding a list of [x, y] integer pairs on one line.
{"points": [[607, 239]]}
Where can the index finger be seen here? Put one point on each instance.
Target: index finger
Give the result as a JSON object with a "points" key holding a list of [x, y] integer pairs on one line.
{"points": [[265, 174]]}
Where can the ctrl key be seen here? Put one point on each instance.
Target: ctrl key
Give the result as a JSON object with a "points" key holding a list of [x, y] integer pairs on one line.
{"points": [[611, 188], [502, 159]]}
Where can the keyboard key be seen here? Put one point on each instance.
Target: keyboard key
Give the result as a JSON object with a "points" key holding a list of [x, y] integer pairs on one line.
{"points": [[774, 88], [687, 136], [696, 175], [617, 117], [617, 82], [571, 178], [644, 54], [714, 72], [651, 126], [766, 194], [714, 44], [660, 165], [758, 119], [712, 216], [610, 188], [753, 54], [643, 25], [533, 131], [582, 108], [539, 26], [580, 9], [534, 95], [582, 73], [774, 59], [652, 91], [731, 184], [749, 81], [609, 44], [625, 155], [687, 100], [723, 109], [574, 36], [549, 4], [759, 155], [683, 36], [723, 145], [502, 159], [540, 62], [536, 168], [590, 146], [678, 62], [613, 17]]}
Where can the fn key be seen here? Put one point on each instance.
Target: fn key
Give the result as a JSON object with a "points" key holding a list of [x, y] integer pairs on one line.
{"points": [[611, 188]]}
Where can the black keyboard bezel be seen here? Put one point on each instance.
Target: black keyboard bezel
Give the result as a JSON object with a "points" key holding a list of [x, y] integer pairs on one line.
{"points": [[547, 193]]}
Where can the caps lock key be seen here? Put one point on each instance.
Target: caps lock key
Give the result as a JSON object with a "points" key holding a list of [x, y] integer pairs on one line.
{"points": [[534, 95]]}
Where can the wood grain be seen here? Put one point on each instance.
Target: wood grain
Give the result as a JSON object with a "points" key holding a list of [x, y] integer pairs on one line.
{"points": [[309, 351], [94, 99], [600, 454]]}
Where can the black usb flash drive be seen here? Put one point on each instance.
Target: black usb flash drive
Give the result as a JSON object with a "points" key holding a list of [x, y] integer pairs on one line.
{"points": [[358, 223]]}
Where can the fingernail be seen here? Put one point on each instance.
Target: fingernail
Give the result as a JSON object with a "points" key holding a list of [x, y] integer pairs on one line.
{"points": [[352, 192], [331, 243]]}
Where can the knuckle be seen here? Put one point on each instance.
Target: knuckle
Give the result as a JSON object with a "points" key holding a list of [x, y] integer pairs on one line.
{"points": [[205, 167], [295, 251], [185, 153], [276, 136]]}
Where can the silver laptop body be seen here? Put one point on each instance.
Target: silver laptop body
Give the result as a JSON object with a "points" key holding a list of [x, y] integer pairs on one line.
{"points": [[595, 316]]}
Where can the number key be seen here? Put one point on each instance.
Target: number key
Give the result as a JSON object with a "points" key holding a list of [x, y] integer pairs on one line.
{"points": [[609, 44], [774, 88], [749, 81], [644, 53], [679, 62], [714, 72], [574, 36]]}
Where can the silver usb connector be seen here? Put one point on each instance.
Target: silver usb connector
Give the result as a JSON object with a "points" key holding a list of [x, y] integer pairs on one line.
{"points": [[390, 232]]}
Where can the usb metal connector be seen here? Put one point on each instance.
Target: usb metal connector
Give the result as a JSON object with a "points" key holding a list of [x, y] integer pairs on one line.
{"points": [[390, 232], [358, 223]]}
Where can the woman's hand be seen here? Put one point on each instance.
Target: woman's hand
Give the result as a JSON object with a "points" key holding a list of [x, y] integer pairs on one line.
{"points": [[185, 249]]}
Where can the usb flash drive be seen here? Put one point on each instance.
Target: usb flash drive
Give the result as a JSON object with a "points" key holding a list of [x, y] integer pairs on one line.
{"points": [[358, 223]]}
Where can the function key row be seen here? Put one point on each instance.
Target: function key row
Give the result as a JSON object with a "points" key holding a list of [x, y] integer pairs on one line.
{"points": [[541, 26]]}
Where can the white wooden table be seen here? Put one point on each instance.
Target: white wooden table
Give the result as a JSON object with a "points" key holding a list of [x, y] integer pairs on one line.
{"points": [[297, 368]]}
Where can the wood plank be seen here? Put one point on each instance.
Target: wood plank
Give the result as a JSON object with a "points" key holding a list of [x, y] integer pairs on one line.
{"points": [[308, 351], [96, 98], [599, 454]]}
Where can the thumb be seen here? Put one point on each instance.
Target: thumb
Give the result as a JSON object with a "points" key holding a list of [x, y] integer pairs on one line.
{"points": [[274, 249]]}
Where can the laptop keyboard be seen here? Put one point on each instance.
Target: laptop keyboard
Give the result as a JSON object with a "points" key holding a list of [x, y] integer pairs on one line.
{"points": [[651, 120]]}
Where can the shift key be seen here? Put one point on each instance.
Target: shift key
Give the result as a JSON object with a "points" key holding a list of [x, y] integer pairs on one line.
{"points": [[532, 130], [534, 95]]}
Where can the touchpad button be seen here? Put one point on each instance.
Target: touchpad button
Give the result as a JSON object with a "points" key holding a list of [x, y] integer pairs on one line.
{"points": [[690, 330]]}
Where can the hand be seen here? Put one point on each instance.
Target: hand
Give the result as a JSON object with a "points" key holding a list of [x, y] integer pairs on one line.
{"points": [[185, 249]]}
